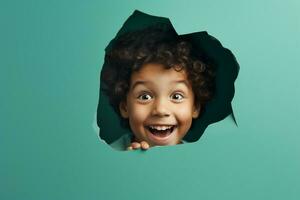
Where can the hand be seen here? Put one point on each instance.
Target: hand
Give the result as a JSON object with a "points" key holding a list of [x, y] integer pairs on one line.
{"points": [[136, 145]]}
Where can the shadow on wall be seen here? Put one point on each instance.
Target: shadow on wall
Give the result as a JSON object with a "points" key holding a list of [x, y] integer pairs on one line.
{"points": [[226, 71]]}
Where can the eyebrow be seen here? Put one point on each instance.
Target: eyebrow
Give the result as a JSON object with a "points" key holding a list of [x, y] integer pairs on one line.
{"points": [[185, 82]]}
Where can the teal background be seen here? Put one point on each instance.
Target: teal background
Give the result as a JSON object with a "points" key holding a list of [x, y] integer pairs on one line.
{"points": [[51, 55]]}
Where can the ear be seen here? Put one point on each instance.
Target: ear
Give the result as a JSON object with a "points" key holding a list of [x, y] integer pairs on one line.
{"points": [[196, 111], [123, 109]]}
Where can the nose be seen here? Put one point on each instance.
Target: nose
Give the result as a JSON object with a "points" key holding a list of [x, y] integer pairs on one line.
{"points": [[161, 108]]}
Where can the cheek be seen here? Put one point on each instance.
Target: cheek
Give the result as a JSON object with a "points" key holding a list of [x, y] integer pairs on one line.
{"points": [[138, 113], [184, 109], [184, 115], [185, 122], [185, 119]]}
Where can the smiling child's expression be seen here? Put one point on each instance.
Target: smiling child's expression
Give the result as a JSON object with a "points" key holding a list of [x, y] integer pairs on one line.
{"points": [[159, 105]]}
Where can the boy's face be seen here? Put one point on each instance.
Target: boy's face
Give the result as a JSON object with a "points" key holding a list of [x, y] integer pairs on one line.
{"points": [[159, 105]]}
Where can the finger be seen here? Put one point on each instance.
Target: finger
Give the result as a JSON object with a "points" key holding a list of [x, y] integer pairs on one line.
{"points": [[129, 148], [136, 145], [145, 145]]}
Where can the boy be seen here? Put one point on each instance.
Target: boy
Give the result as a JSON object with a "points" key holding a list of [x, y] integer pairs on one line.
{"points": [[157, 83]]}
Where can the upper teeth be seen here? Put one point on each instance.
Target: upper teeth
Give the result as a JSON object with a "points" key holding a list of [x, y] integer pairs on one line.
{"points": [[160, 127]]}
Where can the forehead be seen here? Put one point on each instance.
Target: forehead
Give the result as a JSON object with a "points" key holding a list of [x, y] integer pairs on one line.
{"points": [[158, 73]]}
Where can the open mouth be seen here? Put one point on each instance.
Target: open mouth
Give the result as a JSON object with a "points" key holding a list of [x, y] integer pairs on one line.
{"points": [[161, 131]]}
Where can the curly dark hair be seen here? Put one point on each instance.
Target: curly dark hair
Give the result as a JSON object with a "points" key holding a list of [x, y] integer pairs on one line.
{"points": [[128, 52]]}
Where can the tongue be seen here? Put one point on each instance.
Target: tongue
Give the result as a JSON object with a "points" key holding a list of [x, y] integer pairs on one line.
{"points": [[161, 133]]}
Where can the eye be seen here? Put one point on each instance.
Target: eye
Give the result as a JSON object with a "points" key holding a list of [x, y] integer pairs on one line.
{"points": [[144, 97], [177, 97]]}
